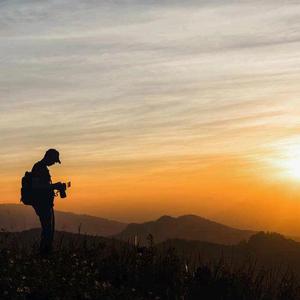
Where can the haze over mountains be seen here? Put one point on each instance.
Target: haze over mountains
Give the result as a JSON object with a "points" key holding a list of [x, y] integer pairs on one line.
{"points": [[188, 227], [14, 217]]}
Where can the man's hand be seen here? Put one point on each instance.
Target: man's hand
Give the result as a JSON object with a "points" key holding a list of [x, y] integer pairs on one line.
{"points": [[56, 186]]}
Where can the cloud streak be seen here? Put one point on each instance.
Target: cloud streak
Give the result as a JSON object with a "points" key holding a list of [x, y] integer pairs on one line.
{"points": [[155, 81]]}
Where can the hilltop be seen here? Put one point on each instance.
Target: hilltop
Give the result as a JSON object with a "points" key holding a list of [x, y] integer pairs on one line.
{"points": [[18, 217], [189, 227]]}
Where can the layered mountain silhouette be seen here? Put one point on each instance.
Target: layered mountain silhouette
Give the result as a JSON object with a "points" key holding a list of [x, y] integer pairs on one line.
{"points": [[14, 217], [17, 218], [188, 227]]}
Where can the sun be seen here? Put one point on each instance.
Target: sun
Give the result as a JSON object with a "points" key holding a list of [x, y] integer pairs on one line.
{"points": [[287, 161], [292, 167]]}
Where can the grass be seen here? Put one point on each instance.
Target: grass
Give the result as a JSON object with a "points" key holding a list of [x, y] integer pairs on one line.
{"points": [[87, 268]]}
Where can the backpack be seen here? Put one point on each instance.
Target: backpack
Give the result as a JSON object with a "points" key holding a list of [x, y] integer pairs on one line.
{"points": [[27, 194]]}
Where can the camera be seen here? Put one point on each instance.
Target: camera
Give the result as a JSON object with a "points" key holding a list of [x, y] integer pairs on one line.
{"points": [[62, 189]]}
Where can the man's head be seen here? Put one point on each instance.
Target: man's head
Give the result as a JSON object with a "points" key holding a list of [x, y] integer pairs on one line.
{"points": [[51, 157]]}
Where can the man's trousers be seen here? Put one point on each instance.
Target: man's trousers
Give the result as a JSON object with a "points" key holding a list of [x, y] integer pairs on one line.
{"points": [[46, 216]]}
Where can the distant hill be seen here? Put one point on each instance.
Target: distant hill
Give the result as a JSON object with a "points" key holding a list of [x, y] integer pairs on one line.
{"points": [[265, 249], [14, 217], [28, 238], [17, 218], [261, 244], [188, 227]]}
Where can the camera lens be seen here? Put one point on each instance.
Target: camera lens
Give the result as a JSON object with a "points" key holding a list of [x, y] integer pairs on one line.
{"points": [[63, 191]]}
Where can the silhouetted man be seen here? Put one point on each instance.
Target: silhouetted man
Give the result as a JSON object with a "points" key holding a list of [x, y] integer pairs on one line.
{"points": [[44, 198]]}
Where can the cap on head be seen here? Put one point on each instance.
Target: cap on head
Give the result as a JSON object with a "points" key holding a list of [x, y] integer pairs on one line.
{"points": [[52, 154]]}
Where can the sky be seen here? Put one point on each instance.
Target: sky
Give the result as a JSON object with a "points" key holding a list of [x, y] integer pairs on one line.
{"points": [[157, 107]]}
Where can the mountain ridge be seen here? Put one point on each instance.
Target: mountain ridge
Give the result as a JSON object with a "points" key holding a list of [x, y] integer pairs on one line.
{"points": [[189, 227], [18, 217]]}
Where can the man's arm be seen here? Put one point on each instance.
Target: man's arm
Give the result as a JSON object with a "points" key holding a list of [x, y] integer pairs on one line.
{"points": [[56, 186], [37, 184]]}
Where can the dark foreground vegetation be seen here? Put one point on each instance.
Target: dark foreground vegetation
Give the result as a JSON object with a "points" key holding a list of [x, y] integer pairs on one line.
{"points": [[97, 268]]}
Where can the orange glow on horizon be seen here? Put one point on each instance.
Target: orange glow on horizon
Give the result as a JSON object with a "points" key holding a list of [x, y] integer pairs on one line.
{"points": [[236, 192]]}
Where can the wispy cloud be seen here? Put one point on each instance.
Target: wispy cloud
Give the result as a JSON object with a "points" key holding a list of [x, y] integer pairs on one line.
{"points": [[140, 80]]}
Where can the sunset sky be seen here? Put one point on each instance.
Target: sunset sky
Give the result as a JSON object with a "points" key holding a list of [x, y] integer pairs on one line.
{"points": [[157, 107]]}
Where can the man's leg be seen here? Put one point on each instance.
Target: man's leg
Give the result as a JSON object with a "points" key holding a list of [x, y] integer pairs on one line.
{"points": [[46, 216], [52, 227]]}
